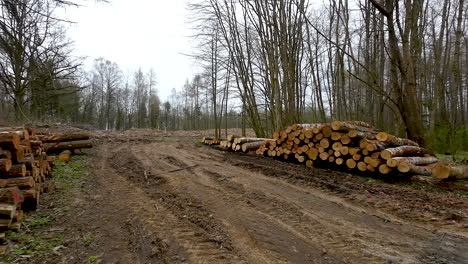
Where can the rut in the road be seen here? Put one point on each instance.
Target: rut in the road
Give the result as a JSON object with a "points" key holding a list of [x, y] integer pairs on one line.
{"points": [[214, 207], [179, 220]]}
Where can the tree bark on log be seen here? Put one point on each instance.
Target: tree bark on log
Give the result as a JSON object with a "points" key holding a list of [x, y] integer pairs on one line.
{"points": [[79, 144], [395, 141], [9, 141], [22, 133], [17, 155], [7, 210], [20, 182], [246, 140], [11, 195], [17, 170], [63, 138], [252, 145], [402, 151], [415, 169], [416, 160]]}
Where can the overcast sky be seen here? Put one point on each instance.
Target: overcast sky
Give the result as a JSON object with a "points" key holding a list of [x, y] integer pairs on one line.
{"points": [[136, 33]]}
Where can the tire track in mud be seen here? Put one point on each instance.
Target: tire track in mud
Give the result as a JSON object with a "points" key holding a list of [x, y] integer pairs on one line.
{"points": [[345, 242], [216, 207], [282, 216], [183, 221]]}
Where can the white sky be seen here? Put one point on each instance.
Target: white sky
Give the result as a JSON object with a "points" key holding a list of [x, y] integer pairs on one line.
{"points": [[136, 33]]}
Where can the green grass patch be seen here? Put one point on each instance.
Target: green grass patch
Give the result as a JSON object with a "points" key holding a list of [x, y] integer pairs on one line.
{"points": [[70, 174], [93, 259]]}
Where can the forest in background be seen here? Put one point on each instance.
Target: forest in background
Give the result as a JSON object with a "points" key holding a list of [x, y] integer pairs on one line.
{"points": [[401, 65]]}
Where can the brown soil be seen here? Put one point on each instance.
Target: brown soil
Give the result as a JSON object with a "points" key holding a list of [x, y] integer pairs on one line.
{"points": [[171, 200]]}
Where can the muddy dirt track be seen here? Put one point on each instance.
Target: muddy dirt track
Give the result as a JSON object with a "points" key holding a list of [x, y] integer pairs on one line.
{"points": [[172, 200]]}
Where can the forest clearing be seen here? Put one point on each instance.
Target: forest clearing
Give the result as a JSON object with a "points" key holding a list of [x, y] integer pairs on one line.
{"points": [[233, 131], [149, 196]]}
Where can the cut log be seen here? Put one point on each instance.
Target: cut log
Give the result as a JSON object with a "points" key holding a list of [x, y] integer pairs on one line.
{"points": [[324, 156], [403, 151], [7, 210], [345, 139], [79, 144], [362, 166], [231, 138], [20, 182], [415, 169], [309, 163], [65, 156], [346, 126], [312, 153], [357, 157], [344, 150], [63, 138], [325, 143], [9, 141], [370, 168], [339, 161], [353, 151], [355, 134], [17, 155], [203, 140], [22, 133], [361, 124], [392, 163], [5, 223], [384, 169], [444, 170], [395, 141], [5, 154], [337, 146], [416, 160], [11, 195], [327, 131], [17, 170], [5, 165], [376, 146], [245, 140], [336, 136], [252, 145]]}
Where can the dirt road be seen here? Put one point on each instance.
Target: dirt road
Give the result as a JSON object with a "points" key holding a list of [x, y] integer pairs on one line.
{"points": [[174, 201]]}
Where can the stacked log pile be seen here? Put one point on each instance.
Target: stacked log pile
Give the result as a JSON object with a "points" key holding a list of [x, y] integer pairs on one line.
{"points": [[352, 145], [26, 170]]}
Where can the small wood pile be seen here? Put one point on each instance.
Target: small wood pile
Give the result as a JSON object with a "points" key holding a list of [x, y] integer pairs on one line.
{"points": [[237, 143], [26, 170]]}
